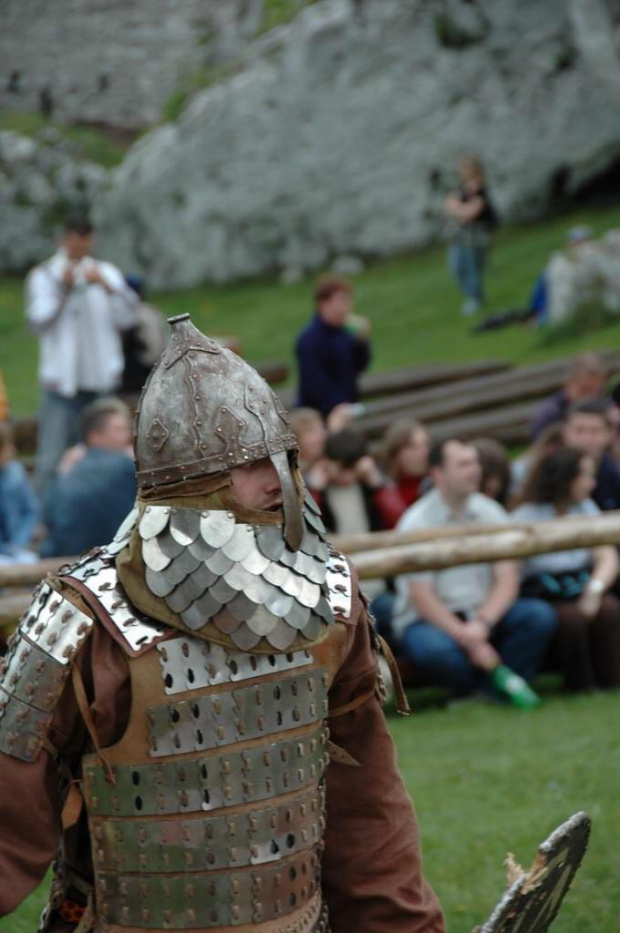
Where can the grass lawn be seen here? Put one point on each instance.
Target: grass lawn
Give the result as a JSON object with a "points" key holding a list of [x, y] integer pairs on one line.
{"points": [[490, 780], [411, 302]]}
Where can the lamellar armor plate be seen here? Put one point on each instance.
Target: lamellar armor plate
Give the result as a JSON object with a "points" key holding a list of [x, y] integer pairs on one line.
{"points": [[209, 812], [35, 670]]}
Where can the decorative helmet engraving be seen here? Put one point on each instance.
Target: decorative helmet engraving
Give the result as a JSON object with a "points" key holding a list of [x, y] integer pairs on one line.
{"points": [[203, 411]]}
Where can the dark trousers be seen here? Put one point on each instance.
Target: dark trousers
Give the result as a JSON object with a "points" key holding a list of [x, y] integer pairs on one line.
{"points": [[587, 651], [521, 638]]}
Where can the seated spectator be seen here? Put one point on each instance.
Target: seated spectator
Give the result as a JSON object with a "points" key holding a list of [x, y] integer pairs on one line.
{"points": [[332, 350], [588, 430], [495, 466], [355, 497], [551, 438], [19, 508], [405, 459], [88, 502], [459, 624], [353, 494], [586, 646], [308, 427], [585, 380]]}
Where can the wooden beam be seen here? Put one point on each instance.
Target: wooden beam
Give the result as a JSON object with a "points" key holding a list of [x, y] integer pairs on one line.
{"points": [[377, 540], [413, 378], [511, 543], [31, 574]]}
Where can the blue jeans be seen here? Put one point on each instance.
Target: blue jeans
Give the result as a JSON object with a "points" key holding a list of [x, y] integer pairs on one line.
{"points": [[521, 639], [59, 429], [467, 266]]}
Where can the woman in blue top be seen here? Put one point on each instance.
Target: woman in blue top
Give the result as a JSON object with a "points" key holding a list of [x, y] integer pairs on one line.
{"points": [[586, 647]]}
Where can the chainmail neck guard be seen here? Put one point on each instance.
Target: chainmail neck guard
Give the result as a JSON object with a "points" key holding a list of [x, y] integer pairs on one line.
{"points": [[229, 576]]}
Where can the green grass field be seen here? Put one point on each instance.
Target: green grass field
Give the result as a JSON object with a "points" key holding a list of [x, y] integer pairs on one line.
{"points": [[486, 780]]}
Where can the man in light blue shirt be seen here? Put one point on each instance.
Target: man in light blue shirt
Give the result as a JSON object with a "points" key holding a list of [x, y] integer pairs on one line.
{"points": [[88, 503], [459, 624]]}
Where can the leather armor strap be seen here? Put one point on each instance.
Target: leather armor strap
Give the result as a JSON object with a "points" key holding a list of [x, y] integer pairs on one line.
{"points": [[84, 707]]}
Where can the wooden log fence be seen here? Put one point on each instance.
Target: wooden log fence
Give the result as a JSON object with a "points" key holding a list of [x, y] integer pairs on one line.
{"points": [[389, 554], [508, 542]]}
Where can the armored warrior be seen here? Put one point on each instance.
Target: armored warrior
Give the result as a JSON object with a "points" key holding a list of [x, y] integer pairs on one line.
{"points": [[190, 717]]}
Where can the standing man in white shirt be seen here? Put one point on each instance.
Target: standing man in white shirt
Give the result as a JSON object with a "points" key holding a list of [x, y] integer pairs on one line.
{"points": [[78, 307], [459, 624]]}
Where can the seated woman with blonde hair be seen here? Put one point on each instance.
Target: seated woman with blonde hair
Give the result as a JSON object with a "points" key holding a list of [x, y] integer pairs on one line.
{"points": [[586, 647]]}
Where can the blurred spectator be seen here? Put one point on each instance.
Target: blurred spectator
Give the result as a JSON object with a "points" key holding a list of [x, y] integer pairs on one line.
{"points": [[19, 509], [584, 276], [88, 503], [585, 380], [144, 343], [406, 445], [495, 465], [550, 438], [472, 220], [586, 647], [332, 350], [77, 306], [308, 427], [459, 624], [4, 401], [350, 489], [587, 429]]}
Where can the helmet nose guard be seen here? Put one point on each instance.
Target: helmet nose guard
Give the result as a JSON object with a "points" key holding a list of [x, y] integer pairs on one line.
{"points": [[203, 411]]}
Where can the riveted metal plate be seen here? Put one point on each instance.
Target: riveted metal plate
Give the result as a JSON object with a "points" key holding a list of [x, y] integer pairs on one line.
{"points": [[137, 630], [236, 715], [32, 676], [55, 625], [232, 840], [225, 780], [192, 664], [179, 902], [22, 728], [339, 584]]}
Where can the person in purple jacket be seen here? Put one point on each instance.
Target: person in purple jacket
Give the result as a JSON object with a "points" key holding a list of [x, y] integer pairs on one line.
{"points": [[332, 350]]}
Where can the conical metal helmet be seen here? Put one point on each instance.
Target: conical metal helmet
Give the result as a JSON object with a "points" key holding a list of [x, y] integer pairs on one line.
{"points": [[205, 410]]}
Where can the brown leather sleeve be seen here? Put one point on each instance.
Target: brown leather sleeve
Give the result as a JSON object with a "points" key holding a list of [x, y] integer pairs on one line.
{"points": [[372, 866], [32, 792]]}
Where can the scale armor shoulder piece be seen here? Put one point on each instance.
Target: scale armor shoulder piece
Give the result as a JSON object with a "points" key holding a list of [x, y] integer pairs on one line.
{"points": [[97, 572], [35, 670], [338, 580]]}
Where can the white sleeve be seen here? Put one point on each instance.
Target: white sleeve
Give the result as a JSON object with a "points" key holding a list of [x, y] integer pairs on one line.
{"points": [[45, 298]]}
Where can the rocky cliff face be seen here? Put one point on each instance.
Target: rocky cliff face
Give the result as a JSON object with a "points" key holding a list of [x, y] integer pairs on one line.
{"points": [[337, 135], [340, 133], [41, 180], [114, 62]]}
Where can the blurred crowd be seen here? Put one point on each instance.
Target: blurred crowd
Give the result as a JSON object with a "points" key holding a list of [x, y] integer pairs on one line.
{"points": [[456, 626]]}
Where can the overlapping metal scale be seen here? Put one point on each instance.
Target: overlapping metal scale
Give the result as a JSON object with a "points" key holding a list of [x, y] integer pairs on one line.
{"points": [[244, 578]]}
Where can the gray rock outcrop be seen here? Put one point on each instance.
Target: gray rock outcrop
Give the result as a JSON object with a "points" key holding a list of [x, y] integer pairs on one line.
{"points": [[340, 132], [41, 180]]}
